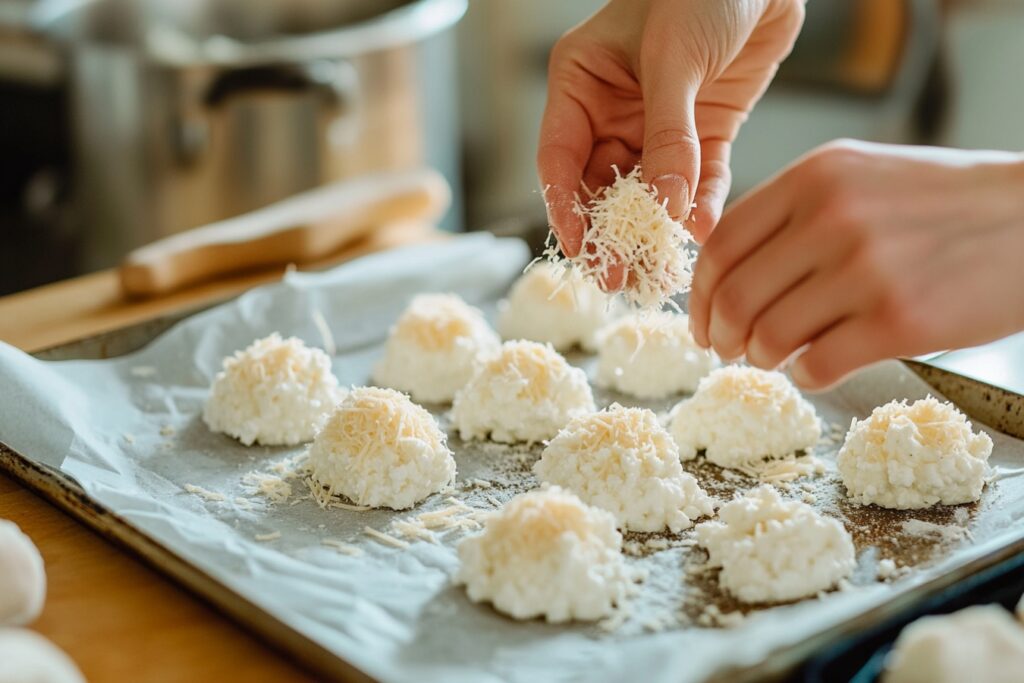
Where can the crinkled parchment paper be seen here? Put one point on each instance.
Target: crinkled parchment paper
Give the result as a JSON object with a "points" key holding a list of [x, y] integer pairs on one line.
{"points": [[128, 430]]}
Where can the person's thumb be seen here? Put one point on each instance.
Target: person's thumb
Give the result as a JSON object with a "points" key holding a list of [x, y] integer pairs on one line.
{"points": [[671, 153]]}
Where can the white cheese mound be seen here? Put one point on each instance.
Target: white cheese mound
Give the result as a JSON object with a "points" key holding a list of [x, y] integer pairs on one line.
{"points": [[980, 644], [22, 577], [620, 459], [527, 392], [276, 392], [547, 554], [914, 456], [380, 449], [651, 355], [742, 414], [628, 225], [771, 550], [432, 348], [28, 657], [553, 304]]}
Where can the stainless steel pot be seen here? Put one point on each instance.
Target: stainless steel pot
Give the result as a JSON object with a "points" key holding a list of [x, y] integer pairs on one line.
{"points": [[191, 112]]}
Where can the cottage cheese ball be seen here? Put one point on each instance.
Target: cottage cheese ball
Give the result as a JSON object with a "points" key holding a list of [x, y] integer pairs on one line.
{"points": [[432, 349], [651, 355], [980, 644], [22, 577], [28, 657], [914, 456], [623, 461], [553, 304], [380, 449], [771, 550], [527, 392], [546, 553], [742, 414], [276, 392]]}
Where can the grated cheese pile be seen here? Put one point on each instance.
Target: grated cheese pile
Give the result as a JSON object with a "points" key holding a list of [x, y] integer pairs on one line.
{"points": [[982, 644], [275, 392], [628, 225], [527, 392], [772, 550], [547, 554], [432, 348], [651, 355], [22, 577], [908, 456], [740, 415], [553, 304], [623, 461], [380, 449]]}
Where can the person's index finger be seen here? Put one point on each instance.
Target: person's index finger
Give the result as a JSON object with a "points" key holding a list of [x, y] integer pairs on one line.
{"points": [[566, 141]]}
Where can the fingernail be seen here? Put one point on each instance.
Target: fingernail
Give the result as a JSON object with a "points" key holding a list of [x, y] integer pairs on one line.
{"points": [[674, 188], [799, 375]]}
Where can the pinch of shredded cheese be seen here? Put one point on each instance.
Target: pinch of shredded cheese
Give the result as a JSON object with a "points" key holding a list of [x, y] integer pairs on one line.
{"points": [[628, 225]]}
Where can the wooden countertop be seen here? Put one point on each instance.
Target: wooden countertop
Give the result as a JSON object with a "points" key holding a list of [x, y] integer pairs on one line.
{"points": [[116, 617]]}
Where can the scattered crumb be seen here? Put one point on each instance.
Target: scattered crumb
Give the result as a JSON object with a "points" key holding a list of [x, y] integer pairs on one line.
{"points": [[129, 438], [166, 430]]}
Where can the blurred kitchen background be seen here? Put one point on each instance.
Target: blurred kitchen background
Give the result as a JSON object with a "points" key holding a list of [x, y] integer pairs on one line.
{"points": [[122, 121]]}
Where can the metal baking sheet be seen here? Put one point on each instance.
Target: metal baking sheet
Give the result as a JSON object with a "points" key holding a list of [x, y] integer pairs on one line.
{"points": [[123, 438]]}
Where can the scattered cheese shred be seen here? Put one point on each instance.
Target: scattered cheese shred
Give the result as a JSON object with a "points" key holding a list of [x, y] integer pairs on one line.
{"points": [[387, 539], [206, 494], [270, 486], [628, 225], [272, 536], [342, 547], [143, 371], [325, 333]]}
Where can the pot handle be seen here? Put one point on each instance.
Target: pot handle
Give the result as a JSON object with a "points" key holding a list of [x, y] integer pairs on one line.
{"points": [[337, 82], [303, 228]]}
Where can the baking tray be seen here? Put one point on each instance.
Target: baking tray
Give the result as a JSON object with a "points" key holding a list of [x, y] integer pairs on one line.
{"points": [[65, 493]]}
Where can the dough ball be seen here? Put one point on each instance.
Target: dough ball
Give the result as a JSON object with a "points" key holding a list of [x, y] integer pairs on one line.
{"points": [[741, 414], [914, 456], [432, 349], [623, 461], [30, 658], [276, 392], [981, 644], [553, 304], [771, 550], [527, 392], [546, 553], [380, 449], [22, 577], [651, 355]]}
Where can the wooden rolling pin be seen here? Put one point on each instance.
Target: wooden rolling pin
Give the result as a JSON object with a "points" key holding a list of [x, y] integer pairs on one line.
{"points": [[302, 228]]}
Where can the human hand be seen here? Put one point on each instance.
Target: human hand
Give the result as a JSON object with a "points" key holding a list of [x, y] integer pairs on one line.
{"points": [[663, 82], [861, 252]]}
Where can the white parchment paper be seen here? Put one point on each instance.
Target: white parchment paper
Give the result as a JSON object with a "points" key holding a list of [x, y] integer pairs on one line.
{"points": [[128, 430]]}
